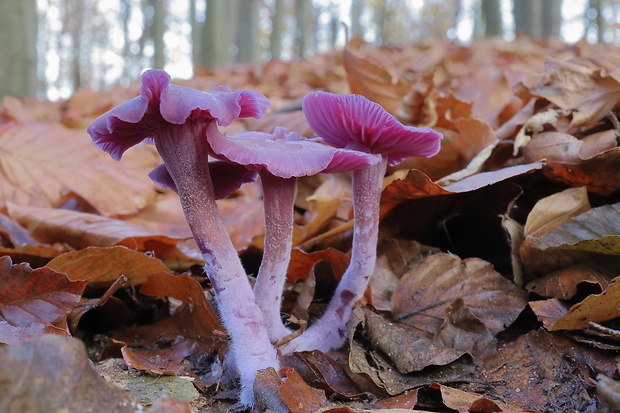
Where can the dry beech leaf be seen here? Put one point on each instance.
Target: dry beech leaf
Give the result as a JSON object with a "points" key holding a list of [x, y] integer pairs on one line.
{"points": [[81, 230], [554, 210], [417, 185], [590, 92], [370, 78], [297, 395], [34, 302], [549, 311], [436, 282], [29, 110], [488, 89], [463, 401], [38, 166], [54, 374], [596, 308], [563, 283], [102, 266], [537, 372], [564, 157], [302, 262]]}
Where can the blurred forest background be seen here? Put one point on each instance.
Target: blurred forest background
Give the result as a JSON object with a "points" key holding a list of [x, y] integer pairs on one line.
{"points": [[50, 48]]}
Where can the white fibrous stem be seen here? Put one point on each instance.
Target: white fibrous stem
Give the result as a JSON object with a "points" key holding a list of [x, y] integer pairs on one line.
{"points": [[185, 154], [329, 331], [279, 200]]}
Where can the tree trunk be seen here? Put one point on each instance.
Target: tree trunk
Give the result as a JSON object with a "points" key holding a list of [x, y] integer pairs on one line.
{"points": [[303, 14], [492, 18], [218, 33], [551, 18], [18, 51], [248, 32], [528, 17], [356, 14], [277, 30], [159, 29]]}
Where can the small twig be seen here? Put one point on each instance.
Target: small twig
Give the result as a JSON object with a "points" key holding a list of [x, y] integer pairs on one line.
{"points": [[302, 327], [604, 331]]}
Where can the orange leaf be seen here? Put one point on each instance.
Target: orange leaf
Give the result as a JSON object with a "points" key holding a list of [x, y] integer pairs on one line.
{"points": [[39, 165], [34, 302]]}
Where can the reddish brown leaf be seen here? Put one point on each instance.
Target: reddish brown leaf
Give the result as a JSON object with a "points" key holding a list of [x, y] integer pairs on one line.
{"points": [[563, 283], [302, 262], [81, 230], [297, 395], [369, 77], [407, 400], [535, 373], [596, 308], [54, 374], [549, 311], [427, 289], [34, 302], [39, 165], [469, 402], [590, 92], [103, 266]]}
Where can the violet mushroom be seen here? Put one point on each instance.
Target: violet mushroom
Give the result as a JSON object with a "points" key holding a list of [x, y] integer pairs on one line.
{"points": [[176, 120], [280, 158], [354, 122]]}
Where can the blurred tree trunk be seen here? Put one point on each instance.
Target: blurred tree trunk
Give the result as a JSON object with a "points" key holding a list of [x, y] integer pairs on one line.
{"points": [[18, 49], [599, 20], [196, 27], [492, 18], [248, 32], [356, 14], [159, 29], [334, 26], [528, 17], [219, 33], [551, 18], [277, 30], [303, 15]]}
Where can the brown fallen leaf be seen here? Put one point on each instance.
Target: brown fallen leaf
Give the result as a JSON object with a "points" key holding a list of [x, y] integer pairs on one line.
{"points": [[596, 308], [436, 282], [463, 401], [102, 266], [297, 395], [563, 283], [590, 92], [81, 230], [369, 77], [34, 302], [535, 373], [53, 374], [39, 165]]}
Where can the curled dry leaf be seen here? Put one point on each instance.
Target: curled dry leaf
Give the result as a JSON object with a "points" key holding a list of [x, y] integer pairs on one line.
{"points": [[54, 374], [463, 401], [563, 283], [436, 282], [596, 308], [589, 91], [591, 161], [42, 171], [34, 302], [81, 230]]}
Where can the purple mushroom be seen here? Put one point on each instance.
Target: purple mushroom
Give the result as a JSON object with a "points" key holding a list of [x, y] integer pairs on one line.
{"points": [[177, 120], [280, 158], [354, 122]]}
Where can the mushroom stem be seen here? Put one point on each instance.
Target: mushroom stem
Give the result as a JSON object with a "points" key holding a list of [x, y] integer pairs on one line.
{"points": [[186, 159], [329, 331], [279, 200]]}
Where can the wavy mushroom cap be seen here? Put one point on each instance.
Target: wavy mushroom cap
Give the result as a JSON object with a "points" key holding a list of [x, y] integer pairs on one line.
{"points": [[286, 154], [162, 104], [353, 121]]}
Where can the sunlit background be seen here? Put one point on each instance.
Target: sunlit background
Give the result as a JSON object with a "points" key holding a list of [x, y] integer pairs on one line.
{"points": [[94, 44]]}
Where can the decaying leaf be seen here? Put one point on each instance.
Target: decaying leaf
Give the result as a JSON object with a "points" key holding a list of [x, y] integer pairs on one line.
{"points": [[53, 374], [440, 279], [81, 230], [34, 302]]}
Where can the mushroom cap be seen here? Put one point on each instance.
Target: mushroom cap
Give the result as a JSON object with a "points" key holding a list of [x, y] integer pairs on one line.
{"points": [[162, 104], [285, 154], [353, 121]]}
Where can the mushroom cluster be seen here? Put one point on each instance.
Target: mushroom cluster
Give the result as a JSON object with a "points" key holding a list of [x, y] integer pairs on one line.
{"points": [[354, 134]]}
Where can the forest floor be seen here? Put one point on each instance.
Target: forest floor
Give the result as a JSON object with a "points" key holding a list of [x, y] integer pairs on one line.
{"points": [[497, 282]]}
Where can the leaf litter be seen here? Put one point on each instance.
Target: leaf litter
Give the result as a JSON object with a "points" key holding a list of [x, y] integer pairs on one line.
{"points": [[496, 284]]}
